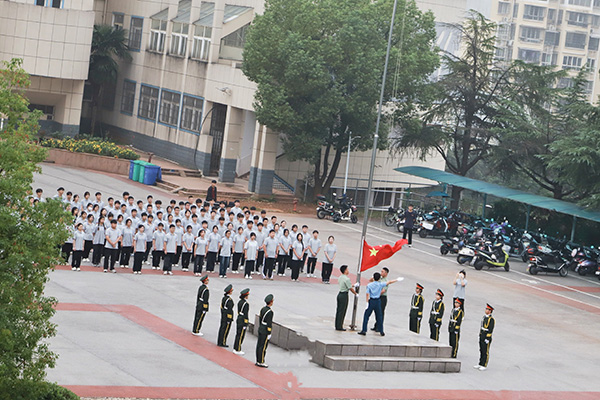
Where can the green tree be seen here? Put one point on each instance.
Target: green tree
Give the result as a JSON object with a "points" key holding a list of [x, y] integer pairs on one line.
{"points": [[29, 237], [318, 68], [459, 126], [108, 43]]}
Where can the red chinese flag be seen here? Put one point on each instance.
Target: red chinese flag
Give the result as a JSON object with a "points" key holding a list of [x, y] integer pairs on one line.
{"points": [[373, 255]]}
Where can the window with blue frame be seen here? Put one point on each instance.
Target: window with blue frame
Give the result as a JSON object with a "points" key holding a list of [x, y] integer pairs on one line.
{"points": [[148, 102], [191, 115], [128, 97], [135, 33], [49, 3], [169, 107]]}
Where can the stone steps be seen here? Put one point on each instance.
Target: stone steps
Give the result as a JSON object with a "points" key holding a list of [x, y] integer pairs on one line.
{"points": [[390, 363]]}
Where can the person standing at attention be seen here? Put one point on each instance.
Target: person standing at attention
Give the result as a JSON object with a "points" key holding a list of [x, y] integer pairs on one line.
{"points": [[314, 246], [113, 237], [329, 253], [298, 252], [488, 323], [460, 285], [211, 193], [243, 309], [416, 310], [226, 316], [270, 246], [264, 331], [374, 290], [456, 318], [342, 298], [409, 223], [250, 254], [201, 306], [435, 315], [139, 247]]}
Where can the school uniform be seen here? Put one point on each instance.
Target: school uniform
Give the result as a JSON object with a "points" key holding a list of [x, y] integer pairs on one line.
{"points": [[67, 247], [170, 251], [98, 244], [326, 267], [149, 231], [297, 259], [199, 254], [78, 246], [110, 250], [126, 245], [243, 309], [213, 239], [238, 250], [305, 240], [158, 250], [315, 246], [186, 240], [283, 256], [226, 319], [260, 239], [179, 237], [251, 248], [89, 239], [264, 334], [226, 243], [270, 245], [140, 250]]}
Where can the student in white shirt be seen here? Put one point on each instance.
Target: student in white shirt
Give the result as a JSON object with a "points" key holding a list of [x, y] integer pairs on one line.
{"points": [[238, 249], [170, 250], [158, 245], [225, 251], [214, 239], [149, 228], [200, 252], [270, 246], [78, 245], [329, 253], [283, 255], [187, 242], [88, 228], [126, 243], [139, 246], [98, 242], [250, 254], [179, 231], [113, 237], [260, 239], [313, 248], [298, 251]]}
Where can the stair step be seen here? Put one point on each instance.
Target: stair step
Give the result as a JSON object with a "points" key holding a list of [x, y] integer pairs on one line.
{"points": [[389, 363], [408, 350]]}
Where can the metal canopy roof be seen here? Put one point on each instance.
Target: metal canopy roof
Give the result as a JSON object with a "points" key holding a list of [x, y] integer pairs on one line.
{"points": [[161, 15], [501, 191], [207, 11], [232, 12], [183, 12]]}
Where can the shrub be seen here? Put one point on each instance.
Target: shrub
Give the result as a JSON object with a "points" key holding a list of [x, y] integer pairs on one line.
{"points": [[32, 390], [92, 146]]}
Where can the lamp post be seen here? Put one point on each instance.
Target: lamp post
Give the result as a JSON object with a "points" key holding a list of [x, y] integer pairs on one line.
{"points": [[348, 159], [373, 157]]}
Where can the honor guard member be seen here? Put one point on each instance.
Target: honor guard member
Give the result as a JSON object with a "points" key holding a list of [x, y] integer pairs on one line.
{"points": [[416, 310], [226, 316], [243, 308], [456, 318], [485, 338], [435, 315], [201, 306], [264, 331]]}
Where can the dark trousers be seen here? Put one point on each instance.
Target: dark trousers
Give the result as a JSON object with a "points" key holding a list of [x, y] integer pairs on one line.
{"points": [[224, 331], [198, 262], [374, 306], [454, 338], [249, 267], [304, 257], [223, 265], [269, 266], [239, 336], [185, 260], [66, 250], [310, 266], [118, 253], [282, 262], [237, 257], [110, 257], [76, 261], [340, 311], [261, 347], [97, 254], [138, 257], [125, 255], [157, 255], [407, 232], [462, 303], [414, 322], [434, 330], [168, 263], [87, 247], [484, 350], [211, 259], [198, 317], [260, 259], [177, 255], [296, 265], [326, 269], [383, 306], [148, 249]]}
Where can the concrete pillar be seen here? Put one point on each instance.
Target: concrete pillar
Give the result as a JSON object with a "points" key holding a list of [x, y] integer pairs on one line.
{"points": [[256, 144], [264, 154], [234, 127]]}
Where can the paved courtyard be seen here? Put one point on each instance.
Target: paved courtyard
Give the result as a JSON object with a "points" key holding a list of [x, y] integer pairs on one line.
{"points": [[127, 335]]}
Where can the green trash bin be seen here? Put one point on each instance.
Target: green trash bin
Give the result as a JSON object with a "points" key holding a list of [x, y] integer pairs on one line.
{"points": [[142, 171], [136, 170]]}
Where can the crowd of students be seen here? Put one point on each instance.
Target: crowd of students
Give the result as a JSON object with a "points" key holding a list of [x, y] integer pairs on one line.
{"points": [[192, 234]]}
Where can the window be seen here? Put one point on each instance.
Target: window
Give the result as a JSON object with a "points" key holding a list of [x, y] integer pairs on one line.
{"points": [[576, 40], [565, 83], [585, 3], [191, 116], [128, 97], [595, 21], [591, 63], [56, 3], [169, 107], [148, 102], [551, 14], [593, 45], [179, 36], [588, 86], [572, 62], [49, 3], [552, 38], [503, 32], [516, 11], [201, 42], [40, 3], [534, 13], [237, 38], [48, 111], [596, 3], [549, 58], [501, 53], [503, 8], [532, 56], [529, 34], [117, 21], [158, 33], [577, 19], [135, 33]]}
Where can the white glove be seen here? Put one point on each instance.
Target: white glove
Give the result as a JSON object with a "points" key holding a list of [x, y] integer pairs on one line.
{"points": [[356, 284], [356, 294], [399, 279], [486, 341], [269, 337]]}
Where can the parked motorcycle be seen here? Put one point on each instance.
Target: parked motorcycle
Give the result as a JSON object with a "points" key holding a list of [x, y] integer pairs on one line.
{"points": [[393, 216], [496, 258], [347, 210], [451, 246], [324, 208], [549, 262]]}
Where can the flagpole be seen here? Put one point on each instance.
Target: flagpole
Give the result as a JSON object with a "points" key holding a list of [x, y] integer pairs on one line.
{"points": [[373, 157]]}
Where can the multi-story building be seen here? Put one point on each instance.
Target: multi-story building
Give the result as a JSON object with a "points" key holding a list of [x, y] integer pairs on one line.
{"points": [[53, 37]]}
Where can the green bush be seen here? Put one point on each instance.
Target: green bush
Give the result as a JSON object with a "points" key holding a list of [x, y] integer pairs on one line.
{"points": [[87, 144], [32, 390]]}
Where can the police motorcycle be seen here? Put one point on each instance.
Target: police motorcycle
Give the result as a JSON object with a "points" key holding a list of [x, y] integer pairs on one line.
{"points": [[494, 257], [347, 210], [324, 208]]}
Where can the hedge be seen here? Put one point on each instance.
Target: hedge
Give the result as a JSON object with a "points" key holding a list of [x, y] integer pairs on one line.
{"points": [[92, 146]]}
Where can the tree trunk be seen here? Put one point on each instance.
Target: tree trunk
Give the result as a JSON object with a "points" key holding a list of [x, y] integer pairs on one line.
{"points": [[96, 102], [456, 192]]}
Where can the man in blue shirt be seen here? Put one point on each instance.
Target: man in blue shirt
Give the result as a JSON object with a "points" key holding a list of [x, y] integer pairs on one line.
{"points": [[374, 290]]}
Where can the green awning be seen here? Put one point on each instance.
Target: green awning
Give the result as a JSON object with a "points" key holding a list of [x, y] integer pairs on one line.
{"points": [[501, 191]]}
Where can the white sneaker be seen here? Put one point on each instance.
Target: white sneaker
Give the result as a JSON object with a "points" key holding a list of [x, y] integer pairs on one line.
{"points": [[198, 334], [239, 353], [114, 271], [165, 273], [477, 366], [482, 368], [105, 271], [410, 245], [73, 269], [78, 269], [249, 277], [170, 273]]}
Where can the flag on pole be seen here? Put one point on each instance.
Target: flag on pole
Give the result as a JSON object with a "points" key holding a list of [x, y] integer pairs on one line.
{"points": [[373, 255]]}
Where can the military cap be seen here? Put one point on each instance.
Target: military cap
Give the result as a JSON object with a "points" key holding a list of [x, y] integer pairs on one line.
{"points": [[458, 300], [419, 286], [228, 288], [205, 277], [488, 306], [269, 298], [245, 292], [439, 291]]}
